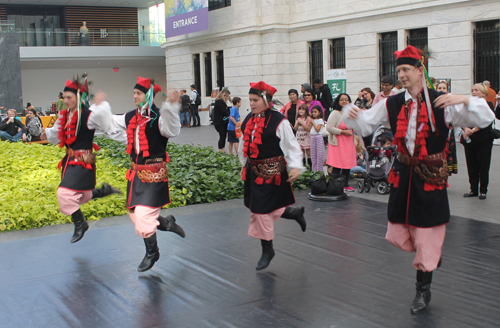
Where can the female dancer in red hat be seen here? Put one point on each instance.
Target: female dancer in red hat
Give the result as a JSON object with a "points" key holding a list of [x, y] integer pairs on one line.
{"points": [[146, 131], [420, 118], [75, 130], [269, 146]]}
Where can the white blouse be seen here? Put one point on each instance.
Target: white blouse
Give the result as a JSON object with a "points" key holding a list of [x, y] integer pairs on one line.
{"points": [[478, 113], [288, 144], [113, 126]]}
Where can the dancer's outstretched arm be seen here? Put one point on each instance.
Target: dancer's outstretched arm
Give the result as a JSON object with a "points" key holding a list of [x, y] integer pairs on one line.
{"points": [[170, 122]]}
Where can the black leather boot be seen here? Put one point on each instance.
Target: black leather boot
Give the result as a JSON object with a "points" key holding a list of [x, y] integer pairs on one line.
{"points": [[80, 226], [423, 296], [297, 214], [267, 254], [168, 224], [310, 163], [104, 191], [152, 254]]}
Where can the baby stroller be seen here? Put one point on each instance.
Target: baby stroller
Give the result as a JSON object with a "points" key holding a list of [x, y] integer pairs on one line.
{"points": [[378, 168]]}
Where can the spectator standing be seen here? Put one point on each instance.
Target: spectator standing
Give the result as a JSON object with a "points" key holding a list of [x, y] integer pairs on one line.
{"points": [[368, 96], [324, 96], [60, 105], [310, 100], [25, 110], [359, 101], [185, 107], [398, 87], [341, 154], [491, 93], [303, 88], [195, 102], [290, 109], [12, 129], [317, 143], [34, 125], [477, 144], [303, 126], [221, 115], [451, 156], [234, 119], [497, 102], [387, 83]]}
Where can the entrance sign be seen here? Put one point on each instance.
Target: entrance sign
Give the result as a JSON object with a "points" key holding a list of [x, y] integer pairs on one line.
{"points": [[185, 16]]}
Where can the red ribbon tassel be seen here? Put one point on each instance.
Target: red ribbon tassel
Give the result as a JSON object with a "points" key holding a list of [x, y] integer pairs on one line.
{"points": [[277, 179], [394, 179], [143, 140]]}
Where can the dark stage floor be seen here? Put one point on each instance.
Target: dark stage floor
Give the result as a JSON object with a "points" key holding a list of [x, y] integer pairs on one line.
{"points": [[340, 273]]}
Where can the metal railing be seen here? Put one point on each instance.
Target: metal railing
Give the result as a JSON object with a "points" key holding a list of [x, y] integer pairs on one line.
{"points": [[337, 53], [60, 37], [315, 61], [487, 54], [388, 44]]}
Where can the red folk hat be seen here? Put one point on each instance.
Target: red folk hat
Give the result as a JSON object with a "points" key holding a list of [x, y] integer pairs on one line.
{"points": [[410, 55], [258, 88], [144, 84], [72, 86]]}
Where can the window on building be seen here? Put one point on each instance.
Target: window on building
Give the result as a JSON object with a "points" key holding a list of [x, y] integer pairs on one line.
{"points": [[208, 74], [316, 61], [337, 53], [418, 39], [216, 4], [388, 44], [487, 53], [220, 69], [197, 71]]}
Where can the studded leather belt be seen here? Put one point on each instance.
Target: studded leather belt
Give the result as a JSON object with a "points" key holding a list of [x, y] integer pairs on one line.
{"points": [[269, 167], [86, 156], [153, 172], [432, 169]]}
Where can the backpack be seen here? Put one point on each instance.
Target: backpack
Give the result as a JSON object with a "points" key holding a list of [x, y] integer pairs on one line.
{"points": [[35, 128], [197, 102]]}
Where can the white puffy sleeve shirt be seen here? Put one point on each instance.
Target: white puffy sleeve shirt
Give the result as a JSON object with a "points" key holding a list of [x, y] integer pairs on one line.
{"points": [[288, 144], [477, 113]]}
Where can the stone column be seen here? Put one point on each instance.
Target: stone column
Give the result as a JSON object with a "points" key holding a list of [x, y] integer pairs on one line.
{"points": [[11, 91]]}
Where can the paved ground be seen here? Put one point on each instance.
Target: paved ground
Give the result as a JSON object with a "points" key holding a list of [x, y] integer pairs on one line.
{"points": [[487, 210], [339, 273]]}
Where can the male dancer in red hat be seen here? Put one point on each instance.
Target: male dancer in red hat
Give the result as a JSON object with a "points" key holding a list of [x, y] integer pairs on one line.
{"points": [[75, 130], [269, 146], [420, 118], [146, 131]]}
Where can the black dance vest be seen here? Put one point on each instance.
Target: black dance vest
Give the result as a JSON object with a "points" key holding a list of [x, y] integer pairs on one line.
{"points": [[410, 203]]}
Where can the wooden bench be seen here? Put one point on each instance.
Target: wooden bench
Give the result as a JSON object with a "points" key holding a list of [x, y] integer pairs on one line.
{"points": [[42, 142]]}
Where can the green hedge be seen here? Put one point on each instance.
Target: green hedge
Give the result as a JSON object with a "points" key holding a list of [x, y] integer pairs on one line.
{"points": [[30, 179]]}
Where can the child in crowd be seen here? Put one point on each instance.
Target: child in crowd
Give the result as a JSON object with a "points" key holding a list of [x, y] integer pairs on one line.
{"points": [[382, 154], [317, 143], [303, 126], [361, 156], [234, 119]]}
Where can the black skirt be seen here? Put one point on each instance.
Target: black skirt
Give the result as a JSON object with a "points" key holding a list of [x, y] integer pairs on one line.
{"points": [[265, 198], [77, 177], [155, 194]]}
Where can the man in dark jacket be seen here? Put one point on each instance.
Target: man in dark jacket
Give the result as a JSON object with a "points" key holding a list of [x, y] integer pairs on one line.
{"points": [[324, 96], [12, 129]]}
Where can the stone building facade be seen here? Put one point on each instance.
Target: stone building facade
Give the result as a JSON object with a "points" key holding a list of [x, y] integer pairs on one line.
{"points": [[270, 40]]}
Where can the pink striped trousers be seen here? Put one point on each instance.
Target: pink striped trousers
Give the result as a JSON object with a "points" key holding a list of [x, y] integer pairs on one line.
{"points": [[317, 152]]}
